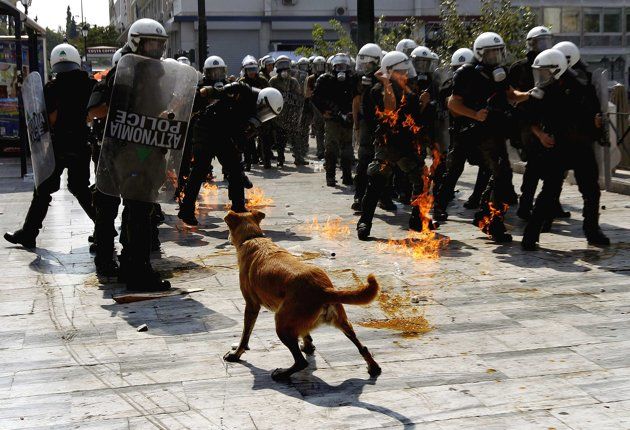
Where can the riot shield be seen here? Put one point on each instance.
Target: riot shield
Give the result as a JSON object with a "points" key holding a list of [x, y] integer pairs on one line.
{"points": [[289, 118], [42, 154], [146, 128]]}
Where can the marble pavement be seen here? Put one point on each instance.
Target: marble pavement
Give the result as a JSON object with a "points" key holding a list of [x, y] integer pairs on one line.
{"points": [[517, 340]]}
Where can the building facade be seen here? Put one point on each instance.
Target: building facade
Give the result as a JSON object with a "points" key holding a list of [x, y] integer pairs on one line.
{"points": [[240, 27]]}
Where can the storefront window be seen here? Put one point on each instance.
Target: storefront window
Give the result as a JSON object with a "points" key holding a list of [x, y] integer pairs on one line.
{"points": [[570, 20], [612, 20], [592, 21], [551, 18]]}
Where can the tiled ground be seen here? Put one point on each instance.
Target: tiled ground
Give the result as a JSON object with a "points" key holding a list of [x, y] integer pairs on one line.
{"points": [[518, 341]]}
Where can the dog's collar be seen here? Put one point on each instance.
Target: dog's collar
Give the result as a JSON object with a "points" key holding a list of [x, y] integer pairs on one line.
{"points": [[253, 236]]}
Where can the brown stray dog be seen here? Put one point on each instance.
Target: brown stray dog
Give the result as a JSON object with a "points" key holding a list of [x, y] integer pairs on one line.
{"points": [[301, 295]]}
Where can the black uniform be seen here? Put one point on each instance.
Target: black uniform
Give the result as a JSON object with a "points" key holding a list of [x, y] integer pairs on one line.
{"points": [[521, 78], [396, 145], [452, 168], [335, 97], [475, 85], [567, 112], [66, 97], [252, 155], [221, 131]]}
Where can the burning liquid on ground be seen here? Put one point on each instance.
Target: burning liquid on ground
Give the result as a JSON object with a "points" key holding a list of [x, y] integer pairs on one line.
{"points": [[425, 245], [256, 198], [333, 228], [400, 315]]}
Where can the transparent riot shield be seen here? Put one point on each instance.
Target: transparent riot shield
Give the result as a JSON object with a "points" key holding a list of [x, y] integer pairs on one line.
{"points": [[42, 154], [291, 114], [146, 128]]}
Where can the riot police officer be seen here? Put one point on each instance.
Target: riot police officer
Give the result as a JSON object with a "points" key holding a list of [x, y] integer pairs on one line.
{"points": [[365, 123], [406, 46], [235, 116], [459, 151], [146, 38], [520, 77], [266, 66], [480, 104], [566, 119], [251, 77], [66, 100], [333, 96], [396, 141], [318, 68], [286, 124]]}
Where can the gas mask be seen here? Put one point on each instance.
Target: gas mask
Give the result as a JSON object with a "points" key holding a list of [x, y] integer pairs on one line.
{"points": [[497, 74], [492, 60], [341, 76], [542, 79], [284, 74]]}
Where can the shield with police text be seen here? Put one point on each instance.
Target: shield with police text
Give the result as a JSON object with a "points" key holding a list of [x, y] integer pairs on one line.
{"points": [[291, 114], [42, 154], [145, 131]]}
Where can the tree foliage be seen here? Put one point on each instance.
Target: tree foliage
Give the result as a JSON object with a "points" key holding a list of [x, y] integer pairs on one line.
{"points": [[458, 31], [388, 37], [326, 48], [499, 16]]}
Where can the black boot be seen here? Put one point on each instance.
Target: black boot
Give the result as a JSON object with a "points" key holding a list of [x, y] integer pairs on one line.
{"points": [[21, 237], [106, 267], [387, 204], [331, 170], [146, 280], [356, 206], [415, 221], [596, 237], [363, 230], [439, 214], [531, 236], [187, 216]]}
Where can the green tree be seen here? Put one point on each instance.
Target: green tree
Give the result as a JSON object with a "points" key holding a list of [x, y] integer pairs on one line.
{"points": [[326, 48], [388, 37], [499, 16], [53, 38]]}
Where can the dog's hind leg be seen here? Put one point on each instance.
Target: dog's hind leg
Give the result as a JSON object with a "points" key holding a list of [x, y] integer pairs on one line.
{"points": [[307, 346], [344, 325], [251, 314], [290, 340]]}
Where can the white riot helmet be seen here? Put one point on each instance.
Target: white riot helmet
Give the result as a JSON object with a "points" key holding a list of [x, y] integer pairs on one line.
{"points": [[266, 60], [462, 56], [319, 64], [538, 39], [340, 65], [269, 104], [303, 64], [395, 61], [65, 58], [368, 58], [548, 66], [184, 60], [436, 61], [214, 68], [489, 49], [282, 63], [570, 50], [116, 58], [249, 65], [147, 38], [406, 46], [421, 59]]}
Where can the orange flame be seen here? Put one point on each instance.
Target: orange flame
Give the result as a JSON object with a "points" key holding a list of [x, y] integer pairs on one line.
{"points": [[256, 198], [495, 213], [333, 228]]}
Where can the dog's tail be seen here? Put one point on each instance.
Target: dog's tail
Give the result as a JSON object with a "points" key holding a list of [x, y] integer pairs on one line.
{"points": [[361, 296]]}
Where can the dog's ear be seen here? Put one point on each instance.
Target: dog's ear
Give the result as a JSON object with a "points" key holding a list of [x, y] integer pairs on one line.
{"points": [[232, 219], [258, 215]]}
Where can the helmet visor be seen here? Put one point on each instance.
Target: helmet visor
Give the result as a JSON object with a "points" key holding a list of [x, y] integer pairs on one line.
{"points": [[216, 73], [408, 51], [319, 67], [366, 68], [422, 64], [65, 66], [283, 65], [493, 56], [303, 67], [264, 112], [152, 47], [251, 70], [340, 67], [539, 44], [542, 77]]}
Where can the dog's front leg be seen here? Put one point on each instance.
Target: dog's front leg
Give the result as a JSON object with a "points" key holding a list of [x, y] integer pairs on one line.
{"points": [[251, 314]]}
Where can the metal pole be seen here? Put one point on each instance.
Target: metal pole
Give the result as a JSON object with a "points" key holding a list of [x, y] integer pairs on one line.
{"points": [[365, 16], [203, 33], [18, 63]]}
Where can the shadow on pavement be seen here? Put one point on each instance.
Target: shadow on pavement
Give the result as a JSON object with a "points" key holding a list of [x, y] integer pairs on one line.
{"points": [[309, 388]]}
